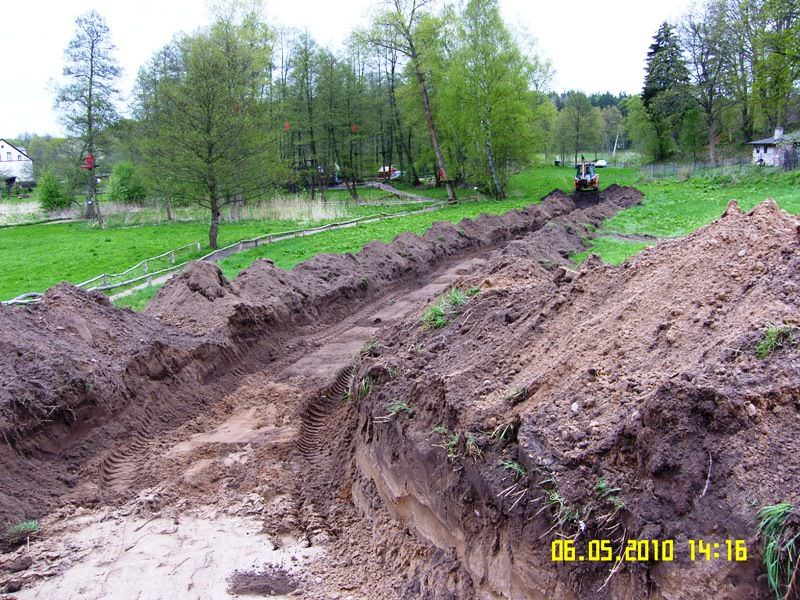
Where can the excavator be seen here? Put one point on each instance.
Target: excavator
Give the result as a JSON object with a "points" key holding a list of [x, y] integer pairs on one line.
{"points": [[587, 182]]}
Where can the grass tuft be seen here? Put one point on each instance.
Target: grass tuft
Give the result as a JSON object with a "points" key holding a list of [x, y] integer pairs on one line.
{"points": [[774, 337], [397, 408], [26, 527], [435, 317], [446, 307], [781, 548], [513, 466]]}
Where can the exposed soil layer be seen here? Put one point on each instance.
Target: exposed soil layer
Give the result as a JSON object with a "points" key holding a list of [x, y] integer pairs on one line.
{"points": [[388, 460], [77, 374], [620, 403]]}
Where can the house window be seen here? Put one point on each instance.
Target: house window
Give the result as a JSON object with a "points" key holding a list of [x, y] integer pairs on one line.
{"points": [[19, 156], [8, 155]]}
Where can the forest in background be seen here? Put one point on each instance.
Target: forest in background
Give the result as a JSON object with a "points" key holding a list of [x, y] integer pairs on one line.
{"points": [[447, 94]]}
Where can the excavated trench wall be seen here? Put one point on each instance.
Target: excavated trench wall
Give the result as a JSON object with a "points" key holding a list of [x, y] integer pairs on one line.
{"points": [[77, 374], [552, 388]]}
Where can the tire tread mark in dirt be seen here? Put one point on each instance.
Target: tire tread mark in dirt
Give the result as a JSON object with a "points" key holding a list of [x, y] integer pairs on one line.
{"points": [[120, 468], [311, 441]]}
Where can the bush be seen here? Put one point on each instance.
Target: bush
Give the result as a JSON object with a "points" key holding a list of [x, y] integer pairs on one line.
{"points": [[125, 184], [51, 194]]}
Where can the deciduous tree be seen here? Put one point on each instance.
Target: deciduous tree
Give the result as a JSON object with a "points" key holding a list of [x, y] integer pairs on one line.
{"points": [[201, 99], [87, 98]]}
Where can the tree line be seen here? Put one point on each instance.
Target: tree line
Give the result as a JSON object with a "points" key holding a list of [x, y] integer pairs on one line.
{"points": [[220, 115], [726, 73], [445, 93]]}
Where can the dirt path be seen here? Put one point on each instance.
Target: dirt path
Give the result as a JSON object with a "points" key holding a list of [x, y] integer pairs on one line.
{"points": [[195, 511], [251, 490]]}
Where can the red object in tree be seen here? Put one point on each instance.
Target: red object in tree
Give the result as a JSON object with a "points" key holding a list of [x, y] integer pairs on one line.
{"points": [[441, 174], [354, 128], [287, 126], [88, 162]]}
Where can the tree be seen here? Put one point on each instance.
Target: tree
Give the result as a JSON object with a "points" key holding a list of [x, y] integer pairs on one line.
{"points": [[776, 63], [403, 28], [86, 100], [613, 127], [544, 122], [665, 89], [742, 17], [125, 183], [487, 85], [640, 128], [201, 101], [579, 124], [705, 39]]}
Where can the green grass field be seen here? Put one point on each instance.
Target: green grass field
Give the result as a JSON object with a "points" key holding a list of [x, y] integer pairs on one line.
{"points": [[674, 208], [40, 255], [36, 257]]}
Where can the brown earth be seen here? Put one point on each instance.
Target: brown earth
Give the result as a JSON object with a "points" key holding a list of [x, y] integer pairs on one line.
{"points": [[222, 407], [645, 375]]}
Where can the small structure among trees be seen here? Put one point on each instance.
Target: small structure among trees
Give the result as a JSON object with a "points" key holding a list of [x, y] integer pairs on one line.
{"points": [[780, 150], [15, 164]]}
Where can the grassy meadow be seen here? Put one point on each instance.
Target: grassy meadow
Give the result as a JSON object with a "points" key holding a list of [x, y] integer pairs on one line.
{"points": [[37, 256]]}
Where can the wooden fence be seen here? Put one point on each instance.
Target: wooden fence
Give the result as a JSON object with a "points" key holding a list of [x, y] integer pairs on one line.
{"points": [[144, 273]]}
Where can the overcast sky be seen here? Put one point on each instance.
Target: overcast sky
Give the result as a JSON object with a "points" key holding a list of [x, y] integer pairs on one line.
{"points": [[594, 46]]}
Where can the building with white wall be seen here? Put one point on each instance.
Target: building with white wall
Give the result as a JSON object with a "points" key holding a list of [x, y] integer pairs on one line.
{"points": [[14, 163], [780, 150]]}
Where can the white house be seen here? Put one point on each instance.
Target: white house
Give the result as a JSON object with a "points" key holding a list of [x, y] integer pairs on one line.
{"points": [[14, 162], [776, 151]]}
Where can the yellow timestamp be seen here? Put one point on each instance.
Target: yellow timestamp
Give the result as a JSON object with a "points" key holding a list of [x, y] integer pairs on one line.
{"points": [[564, 550]]}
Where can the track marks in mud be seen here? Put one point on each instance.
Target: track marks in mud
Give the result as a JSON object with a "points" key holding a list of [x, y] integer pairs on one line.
{"points": [[121, 467], [311, 440]]}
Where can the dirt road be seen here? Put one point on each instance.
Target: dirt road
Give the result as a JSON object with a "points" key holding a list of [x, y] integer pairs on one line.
{"points": [[241, 482]]}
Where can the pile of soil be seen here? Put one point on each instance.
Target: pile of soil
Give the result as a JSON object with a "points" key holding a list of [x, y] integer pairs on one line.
{"points": [[636, 402], [319, 290], [78, 375]]}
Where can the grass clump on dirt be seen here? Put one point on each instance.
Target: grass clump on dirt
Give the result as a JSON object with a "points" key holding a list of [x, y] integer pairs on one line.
{"points": [[781, 548], [774, 337], [394, 409], [446, 307], [609, 493], [397, 408], [514, 467], [450, 444], [24, 528], [18, 534]]}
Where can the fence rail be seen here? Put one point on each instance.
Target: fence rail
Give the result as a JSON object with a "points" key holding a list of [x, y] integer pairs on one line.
{"points": [[124, 279], [687, 170]]}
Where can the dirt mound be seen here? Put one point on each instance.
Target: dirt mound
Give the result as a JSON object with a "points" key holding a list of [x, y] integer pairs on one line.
{"points": [[67, 365], [317, 290], [77, 375], [645, 401]]}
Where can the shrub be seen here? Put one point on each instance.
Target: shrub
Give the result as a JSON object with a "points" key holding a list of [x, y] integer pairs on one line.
{"points": [[51, 195], [125, 184]]}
